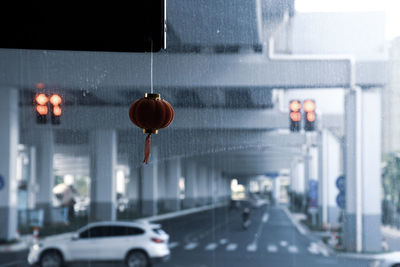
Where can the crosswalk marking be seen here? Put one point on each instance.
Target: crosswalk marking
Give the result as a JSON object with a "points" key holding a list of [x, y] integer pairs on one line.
{"points": [[231, 247], [272, 248], [173, 245], [223, 241], [211, 246], [314, 248], [252, 247], [293, 249], [283, 243], [265, 217], [190, 246]]}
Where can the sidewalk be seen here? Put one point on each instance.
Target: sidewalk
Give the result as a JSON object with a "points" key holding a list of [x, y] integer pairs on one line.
{"points": [[392, 236]]}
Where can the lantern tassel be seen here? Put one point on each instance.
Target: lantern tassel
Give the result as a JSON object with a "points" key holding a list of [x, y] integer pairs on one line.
{"points": [[147, 144]]}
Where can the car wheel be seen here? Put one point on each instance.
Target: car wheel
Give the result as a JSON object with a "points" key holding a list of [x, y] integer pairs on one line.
{"points": [[51, 259], [137, 259]]}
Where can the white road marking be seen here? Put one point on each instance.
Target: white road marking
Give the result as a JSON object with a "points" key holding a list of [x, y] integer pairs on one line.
{"points": [[283, 243], [252, 247], [272, 248], [293, 249], [231, 247], [313, 248], [324, 251], [173, 245], [211, 246], [190, 246], [265, 217], [223, 241]]}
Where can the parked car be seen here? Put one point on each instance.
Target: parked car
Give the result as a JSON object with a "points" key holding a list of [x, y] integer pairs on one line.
{"points": [[136, 243], [391, 259]]}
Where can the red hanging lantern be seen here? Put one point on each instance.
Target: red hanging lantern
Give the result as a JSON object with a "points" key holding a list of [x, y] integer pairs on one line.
{"points": [[150, 113]]}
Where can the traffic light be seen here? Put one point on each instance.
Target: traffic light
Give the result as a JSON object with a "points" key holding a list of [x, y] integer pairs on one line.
{"points": [[56, 111], [309, 112], [42, 108], [295, 115]]}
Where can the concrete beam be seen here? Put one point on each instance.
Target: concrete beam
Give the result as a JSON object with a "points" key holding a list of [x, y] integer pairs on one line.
{"points": [[100, 70]]}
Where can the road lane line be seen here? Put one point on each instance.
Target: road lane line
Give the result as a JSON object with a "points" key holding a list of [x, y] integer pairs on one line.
{"points": [[272, 248], [298, 226], [191, 246], [231, 247], [283, 243], [265, 218], [223, 241], [293, 249], [313, 248], [211, 246], [173, 245], [252, 247]]}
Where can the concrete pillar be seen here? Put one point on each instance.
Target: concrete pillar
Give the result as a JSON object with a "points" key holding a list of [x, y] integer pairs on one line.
{"points": [[149, 185], [202, 181], [371, 170], [353, 212], [9, 139], [32, 186], [103, 161], [162, 183], [330, 154], [298, 177], [212, 186], [191, 187], [174, 173], [276, 186], [132, 187], [44, 168], [362, 220], [221, 186]]}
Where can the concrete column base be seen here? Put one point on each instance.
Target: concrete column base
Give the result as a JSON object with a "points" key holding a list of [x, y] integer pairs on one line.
{"points": [[202, 201], [47, 212], [8, 227], [149, 207], [172, 204], [189, 203], [102, 211], [372, 236], [333, 215], [349, 232], [371, 233]]}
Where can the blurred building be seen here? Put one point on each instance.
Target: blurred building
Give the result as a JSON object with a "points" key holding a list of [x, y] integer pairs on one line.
{"points": [[390, 102]]}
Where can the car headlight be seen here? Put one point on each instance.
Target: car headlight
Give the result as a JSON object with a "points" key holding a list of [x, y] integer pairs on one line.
{"points": [[375, 263], [37, 246]]}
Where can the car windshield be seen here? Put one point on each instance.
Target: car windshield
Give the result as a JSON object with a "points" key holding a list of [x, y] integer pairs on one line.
{"points": [[257, 133]]}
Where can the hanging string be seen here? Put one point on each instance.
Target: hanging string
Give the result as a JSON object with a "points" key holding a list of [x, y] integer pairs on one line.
{"points": [[151, 67]]}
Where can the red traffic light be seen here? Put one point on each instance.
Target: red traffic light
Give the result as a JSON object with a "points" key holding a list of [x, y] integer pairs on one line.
{"points": [[55, 100], [57, 111], [42, 110], [310, 116], [309, 105], [41, 99], [295, 105], [295, 116]]}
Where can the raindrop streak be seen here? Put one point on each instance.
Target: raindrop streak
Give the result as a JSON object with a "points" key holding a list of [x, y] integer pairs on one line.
{"points": [[151, 67]]}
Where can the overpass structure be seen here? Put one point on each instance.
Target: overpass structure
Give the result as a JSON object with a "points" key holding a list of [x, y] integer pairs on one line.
{"points": [[229, 82]]}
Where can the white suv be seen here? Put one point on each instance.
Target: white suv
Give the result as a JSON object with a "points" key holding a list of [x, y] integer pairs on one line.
{"points": [[137, 243]]}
